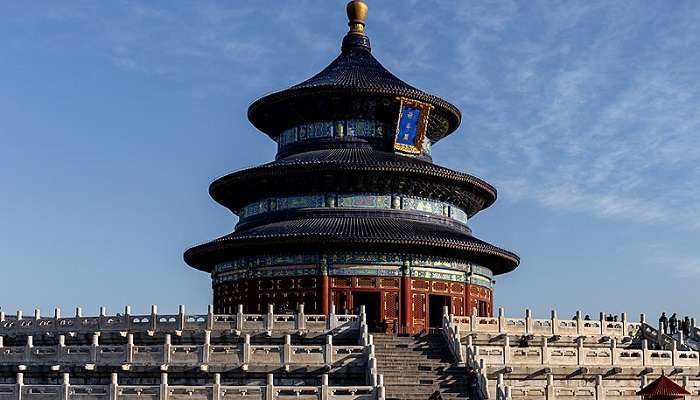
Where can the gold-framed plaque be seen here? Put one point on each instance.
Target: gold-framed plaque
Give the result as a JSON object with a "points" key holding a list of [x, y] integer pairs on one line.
{"points": [[411, 125]]}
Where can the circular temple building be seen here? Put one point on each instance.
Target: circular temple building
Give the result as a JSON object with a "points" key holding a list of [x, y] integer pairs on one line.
{"points": [[353, 211]]}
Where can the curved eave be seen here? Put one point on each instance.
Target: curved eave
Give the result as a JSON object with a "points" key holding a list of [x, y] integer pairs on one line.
{"points": [[262, 112], [366, 234], [388, 163]]}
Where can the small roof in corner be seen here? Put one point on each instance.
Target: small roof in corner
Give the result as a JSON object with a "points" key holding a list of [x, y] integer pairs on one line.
{"points": [[663, 387]]}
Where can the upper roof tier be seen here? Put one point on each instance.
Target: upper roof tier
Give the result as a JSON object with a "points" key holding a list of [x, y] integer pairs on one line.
{"points": [[354, 85]]}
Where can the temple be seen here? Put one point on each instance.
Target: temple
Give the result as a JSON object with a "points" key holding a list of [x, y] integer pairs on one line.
{"points": [[353, 211]]}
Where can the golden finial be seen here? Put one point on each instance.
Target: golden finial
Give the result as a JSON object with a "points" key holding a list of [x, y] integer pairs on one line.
{"points": [[357, 13]]}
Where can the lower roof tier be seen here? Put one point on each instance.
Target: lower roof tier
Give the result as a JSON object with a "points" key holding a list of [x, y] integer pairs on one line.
{"points": [[348, 232], [352, 170]]}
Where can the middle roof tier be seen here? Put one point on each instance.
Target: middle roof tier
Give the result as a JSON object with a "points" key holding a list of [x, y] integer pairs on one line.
{"points": [[352, 171]]}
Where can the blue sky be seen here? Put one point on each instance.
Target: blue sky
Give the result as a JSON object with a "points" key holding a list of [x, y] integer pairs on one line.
{"points": [[114, 118]]}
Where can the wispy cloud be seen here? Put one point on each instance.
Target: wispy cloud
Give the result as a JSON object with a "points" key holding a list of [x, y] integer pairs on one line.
{"points": [[593, 111]]}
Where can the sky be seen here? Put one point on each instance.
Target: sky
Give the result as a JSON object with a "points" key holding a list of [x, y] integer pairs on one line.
{"points": [[116, 116]]}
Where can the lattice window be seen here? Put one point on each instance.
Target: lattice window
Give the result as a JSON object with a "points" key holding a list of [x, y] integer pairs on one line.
{"points": [[391, 305], [419, 306], [365, 282], [420, 284]]}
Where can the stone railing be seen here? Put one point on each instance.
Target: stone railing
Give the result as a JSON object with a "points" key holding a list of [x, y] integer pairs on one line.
{"points": [[598, 388], [236, 354], [547, 327], [240, 322], [451, 334], [164, 391], [546, 355], [463, 355]]}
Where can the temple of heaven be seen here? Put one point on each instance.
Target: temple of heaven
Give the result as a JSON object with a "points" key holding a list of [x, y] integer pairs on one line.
{"points": [[353, 211]]}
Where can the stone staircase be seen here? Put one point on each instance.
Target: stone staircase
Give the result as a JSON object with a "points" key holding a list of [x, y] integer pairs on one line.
{"points": [[415, 366]]}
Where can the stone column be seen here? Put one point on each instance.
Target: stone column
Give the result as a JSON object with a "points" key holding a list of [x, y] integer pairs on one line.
{"points": [[325, 285], [555, 323], [405, 308]]}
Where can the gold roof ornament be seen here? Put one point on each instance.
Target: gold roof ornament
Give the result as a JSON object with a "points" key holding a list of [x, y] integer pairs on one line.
{"points": [[357, 13]]}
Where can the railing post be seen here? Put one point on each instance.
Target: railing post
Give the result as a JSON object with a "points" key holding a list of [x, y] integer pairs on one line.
{"points": [[65, 387], [500, 387], [167, 347], [129, 348], [19, 315], [506, 350], [472, 320], [325, 395], [154, 317], [328, 351], [28, 348], [599, 390], [645, 351], [210, 317], [549, 389], [94, 347], [332, 323], [545, 351], [240, 319], [381, 395], [270, 387], [613, 352], [164, 386], [642, 318], [301, 318], [270, 319], [78, 312], [625, 328], [580, 353], [501, 320], [114, 386], [19, 386], [528, 320], [555, 323], [61, 348], [103, 315], [181, 317], [127, 317], [2, 338], [37, 314], [287, 352], [246, 351], [216, 389], [578, 322], [206, 349]]}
